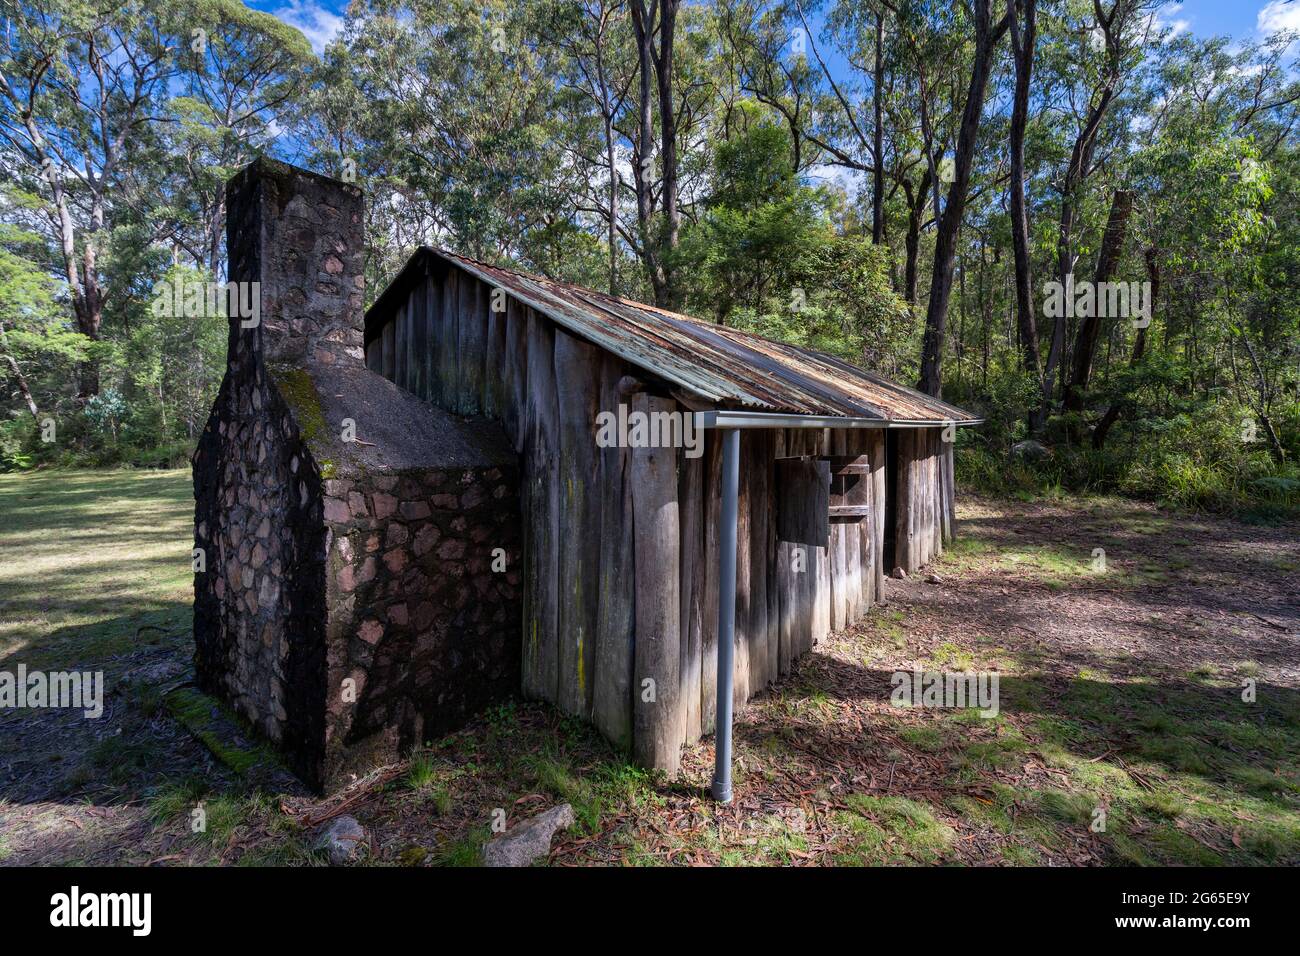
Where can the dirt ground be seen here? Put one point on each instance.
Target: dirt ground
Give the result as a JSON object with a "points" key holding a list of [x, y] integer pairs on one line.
{"points": [[1148, 712]]}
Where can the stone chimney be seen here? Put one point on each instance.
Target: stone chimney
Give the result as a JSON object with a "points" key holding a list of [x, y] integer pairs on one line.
{"points": [[346, 603], [300, 236]]}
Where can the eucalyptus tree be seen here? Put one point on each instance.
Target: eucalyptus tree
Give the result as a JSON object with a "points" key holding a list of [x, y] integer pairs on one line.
{"points": [[599, 67], [242, 75], [1094, 50], [461, 131], [979, 20], [1023, 22], [79, 84], [764, 46]]}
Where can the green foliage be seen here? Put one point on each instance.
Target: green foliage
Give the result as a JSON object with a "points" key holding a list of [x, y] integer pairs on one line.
{"points": [[766, 257], [1194, 459]]}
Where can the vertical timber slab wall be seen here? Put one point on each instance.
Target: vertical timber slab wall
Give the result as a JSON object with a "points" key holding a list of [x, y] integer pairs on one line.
{"points": [[926, 499], [620, 545]]}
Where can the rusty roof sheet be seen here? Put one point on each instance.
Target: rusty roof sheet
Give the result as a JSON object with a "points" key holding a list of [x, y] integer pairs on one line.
{"points": [[719, 364]]}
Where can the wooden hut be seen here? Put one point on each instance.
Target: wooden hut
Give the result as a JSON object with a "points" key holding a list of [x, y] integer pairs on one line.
{"points": [[808, 482]]}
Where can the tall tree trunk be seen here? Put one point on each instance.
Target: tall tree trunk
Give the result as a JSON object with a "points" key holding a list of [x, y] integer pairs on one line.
{"points": [[1085, 345], [658, 241], [641, 171], [612, 237], [878, 137], [23, 387], [668, 148], [1076, 173], [916, 203], [1022, 47], [1139, 349], [90, 316], [945, 247]]}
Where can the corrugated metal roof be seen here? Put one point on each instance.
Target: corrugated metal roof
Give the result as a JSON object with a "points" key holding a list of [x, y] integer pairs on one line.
{"points": [[716, 363]]}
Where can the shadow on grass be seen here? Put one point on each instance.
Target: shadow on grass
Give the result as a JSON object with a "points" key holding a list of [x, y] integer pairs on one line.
{"points": [[1165, 756]]}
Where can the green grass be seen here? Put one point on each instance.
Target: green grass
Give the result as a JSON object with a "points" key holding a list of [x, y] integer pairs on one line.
{"points": [[1189, 774], [90, 558], [176, 798], [466, 850], [891, 830]]}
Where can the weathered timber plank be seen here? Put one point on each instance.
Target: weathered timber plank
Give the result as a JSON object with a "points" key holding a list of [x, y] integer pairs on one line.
{"points": [[821, 595], [541, 525], [432, 338], [492, 400], [472, 337], [612, 694], [386, 350], [401, 351], [904, 546], [577, 469], [709, 623], [516, 372], [656, 731], [950, 493], [758, 515], [773, 596], [936, 495], [375, 355], [877, 446], [449, 341], [839, 563], [419, 342], [741, 686], [784, 607], [921, 511]]}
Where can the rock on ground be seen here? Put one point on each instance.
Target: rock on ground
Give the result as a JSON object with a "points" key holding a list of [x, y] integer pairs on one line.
{"points": [[343, 839], [1030, 450], [529, 840]]}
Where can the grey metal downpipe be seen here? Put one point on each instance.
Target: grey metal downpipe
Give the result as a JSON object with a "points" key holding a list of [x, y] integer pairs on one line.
{"points": [[726, 612]]}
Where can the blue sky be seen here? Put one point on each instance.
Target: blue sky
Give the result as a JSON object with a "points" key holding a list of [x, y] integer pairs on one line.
{"points": [[319, 20]]}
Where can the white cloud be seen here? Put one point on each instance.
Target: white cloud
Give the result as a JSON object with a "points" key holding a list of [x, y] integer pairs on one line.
{"points": [[1169, 19], [1278, 16], [317, 24]]}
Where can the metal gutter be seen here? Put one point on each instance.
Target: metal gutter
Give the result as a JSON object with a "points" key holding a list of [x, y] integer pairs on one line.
{"points": [[744, 419]]}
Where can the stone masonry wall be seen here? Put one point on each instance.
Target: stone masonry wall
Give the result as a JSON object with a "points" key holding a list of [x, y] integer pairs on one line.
{"points": [[423, 629], [259, 604]]}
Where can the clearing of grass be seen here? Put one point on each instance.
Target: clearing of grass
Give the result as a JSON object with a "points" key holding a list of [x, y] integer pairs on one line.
{"points": [[1149, 712]]}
